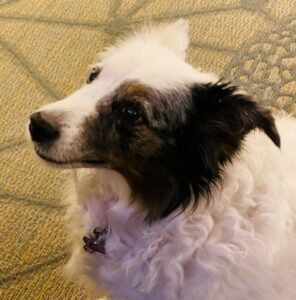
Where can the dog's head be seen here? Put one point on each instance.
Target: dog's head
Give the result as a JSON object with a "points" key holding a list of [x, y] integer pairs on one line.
{"points": [[144, 112]]}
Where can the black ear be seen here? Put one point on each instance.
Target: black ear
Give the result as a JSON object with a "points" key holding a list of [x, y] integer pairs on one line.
{"points": [[217, 122], [228, 114]]}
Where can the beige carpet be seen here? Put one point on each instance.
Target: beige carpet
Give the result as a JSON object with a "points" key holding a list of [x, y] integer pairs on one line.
{"points": [[45, 48]]}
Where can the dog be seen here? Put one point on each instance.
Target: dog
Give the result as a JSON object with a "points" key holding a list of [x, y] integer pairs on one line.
{"points": [[183, 186]]}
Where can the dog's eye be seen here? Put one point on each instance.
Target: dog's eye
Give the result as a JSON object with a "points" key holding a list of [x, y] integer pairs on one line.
{"points": [[131, 114], [93, 75]]}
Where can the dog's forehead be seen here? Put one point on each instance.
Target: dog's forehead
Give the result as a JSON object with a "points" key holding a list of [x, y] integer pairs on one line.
{"points": [[149, 63], [149, 69]]}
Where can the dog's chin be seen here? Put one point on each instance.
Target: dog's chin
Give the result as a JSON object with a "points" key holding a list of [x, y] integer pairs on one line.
{"points": [[70, 164]]}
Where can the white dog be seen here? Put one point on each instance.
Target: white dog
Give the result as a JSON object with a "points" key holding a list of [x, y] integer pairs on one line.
{"points": [[185, 188]]}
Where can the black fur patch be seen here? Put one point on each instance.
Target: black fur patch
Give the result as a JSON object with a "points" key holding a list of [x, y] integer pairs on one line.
{"points": [[216, 126], [166, 158], [217, 122]]}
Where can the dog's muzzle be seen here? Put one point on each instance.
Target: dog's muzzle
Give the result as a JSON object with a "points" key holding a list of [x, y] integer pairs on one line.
{"points": [[41, 130]]}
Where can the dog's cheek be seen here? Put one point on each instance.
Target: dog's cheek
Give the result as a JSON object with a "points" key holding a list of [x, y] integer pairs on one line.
{"points": [[146, 143]]}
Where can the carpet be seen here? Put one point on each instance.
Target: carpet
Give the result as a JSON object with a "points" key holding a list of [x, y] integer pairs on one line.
{"points": [[45, 48]]}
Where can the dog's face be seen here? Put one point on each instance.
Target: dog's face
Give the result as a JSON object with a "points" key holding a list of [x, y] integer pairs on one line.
{"points": [[144, 112]]}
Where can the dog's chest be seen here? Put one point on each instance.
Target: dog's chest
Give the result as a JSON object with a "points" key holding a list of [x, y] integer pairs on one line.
{"points": [[128, 235], [142, 258]]}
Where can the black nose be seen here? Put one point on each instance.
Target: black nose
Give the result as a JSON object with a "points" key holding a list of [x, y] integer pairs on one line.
{"points": [[41, 130]]}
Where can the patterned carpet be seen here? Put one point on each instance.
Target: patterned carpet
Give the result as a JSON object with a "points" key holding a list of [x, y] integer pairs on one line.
{"points": [[45, 48]]}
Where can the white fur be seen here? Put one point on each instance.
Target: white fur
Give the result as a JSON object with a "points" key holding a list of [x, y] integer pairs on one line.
{"points": [[242, 246]]}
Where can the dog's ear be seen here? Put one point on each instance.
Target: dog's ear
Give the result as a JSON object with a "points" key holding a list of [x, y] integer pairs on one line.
{"points": [[217, 122], [226, 115], [174, 36]]}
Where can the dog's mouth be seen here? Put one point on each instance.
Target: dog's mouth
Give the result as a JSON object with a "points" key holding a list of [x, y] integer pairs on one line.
{"points": [[70, 163]]}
